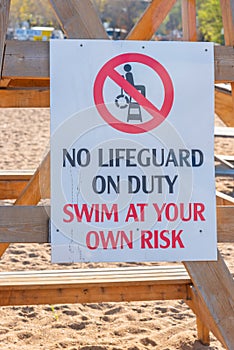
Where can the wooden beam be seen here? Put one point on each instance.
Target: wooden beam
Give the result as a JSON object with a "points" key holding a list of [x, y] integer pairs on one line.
{"points": [[198, 306], [189, 20], [25, 97], [223, 199], [25, 224], [39, 185], [224, 61], [26, 59], [30, 60], [215, 288], [227, 9], [225, 223], [151, 19], [94, 285], [13, 182], [30, 224], [4, 16], [79, 19], [224, 106]]}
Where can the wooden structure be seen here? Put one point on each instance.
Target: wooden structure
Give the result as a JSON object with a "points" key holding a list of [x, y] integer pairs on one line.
{"points": [[207, 287]]}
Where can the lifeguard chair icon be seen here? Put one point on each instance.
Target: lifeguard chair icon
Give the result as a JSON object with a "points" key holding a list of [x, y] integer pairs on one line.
{"points": [[123, 100]]}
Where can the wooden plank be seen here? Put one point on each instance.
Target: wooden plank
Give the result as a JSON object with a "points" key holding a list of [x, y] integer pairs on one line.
{"points": [[24, 82], [25, 97], [189, 20], [91, 294], [26, 59], [225, 223], [223, 106], [12, 183], [203, 333], [223, 199], [39, 185], [198, 306], [26, 224], [30, 224], [215, 287], [15, 175], [151, 19], [79, 19], [4, 16], [224, 58], [94, 285], [11, 189], [30, 59], [227, 9]]}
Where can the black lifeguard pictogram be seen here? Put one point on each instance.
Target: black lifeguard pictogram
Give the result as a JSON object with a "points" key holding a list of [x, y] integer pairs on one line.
{"points": [[134, 109], [129, 91]]}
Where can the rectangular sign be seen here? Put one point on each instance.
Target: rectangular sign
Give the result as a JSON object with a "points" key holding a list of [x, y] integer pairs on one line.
{"points": [[132, 151]]}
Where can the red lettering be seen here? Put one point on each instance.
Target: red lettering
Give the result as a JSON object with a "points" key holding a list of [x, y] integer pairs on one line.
{"points": [[146, 236], [199, 208], [176, 238], [165, 239], [171, 212], [108, 214], [159, 211], [132, 213], [68, 213], [92, 236]]}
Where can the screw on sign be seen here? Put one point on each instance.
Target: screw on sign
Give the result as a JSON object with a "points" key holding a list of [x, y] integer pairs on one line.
{"points": [[131, 95]]}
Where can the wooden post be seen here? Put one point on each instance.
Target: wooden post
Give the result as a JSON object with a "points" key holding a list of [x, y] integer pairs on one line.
{"points": [[4, 16], [151, 20], [79, 19], [227, 8], [214, 287], [189, 20]]}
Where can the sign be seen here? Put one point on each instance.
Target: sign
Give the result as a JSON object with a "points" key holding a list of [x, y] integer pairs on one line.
{"points": [[132, 160]]}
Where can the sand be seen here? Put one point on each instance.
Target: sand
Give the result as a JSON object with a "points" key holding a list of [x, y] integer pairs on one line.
{"points": [[159, 325]]}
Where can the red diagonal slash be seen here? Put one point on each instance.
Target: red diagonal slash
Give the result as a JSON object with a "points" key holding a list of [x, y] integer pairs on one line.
{"points": [[158, 115], [135, 94]]}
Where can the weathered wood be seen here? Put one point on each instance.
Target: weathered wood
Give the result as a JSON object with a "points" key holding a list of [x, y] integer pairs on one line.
{"points": [[151, 20], [25, 97], [24, 82], [94, 285], [199, 307], [223, 199], [39, 185], [223, 106], [189, 20], [26, 59], [13, 182], [224, 61], [79, 19], [4, 16], [227, 9], [30, 224], [203, 333], [215, 287], [225, 223], [24, 224], [30, 59]]}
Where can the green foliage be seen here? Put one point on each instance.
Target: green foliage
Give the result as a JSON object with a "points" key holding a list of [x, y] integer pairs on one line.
{"points": [[172, 21], [35, 12], [210, 20]]}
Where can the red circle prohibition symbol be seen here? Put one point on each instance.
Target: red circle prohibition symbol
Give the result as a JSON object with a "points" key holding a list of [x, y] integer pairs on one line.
{"points": [[108, 71]]}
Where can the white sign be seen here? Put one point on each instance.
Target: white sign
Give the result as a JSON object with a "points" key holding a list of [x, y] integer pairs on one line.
{"points": [[132, 170]]}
